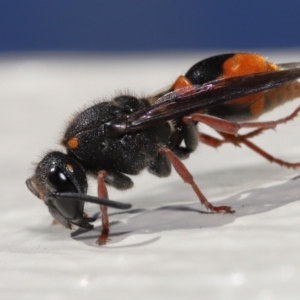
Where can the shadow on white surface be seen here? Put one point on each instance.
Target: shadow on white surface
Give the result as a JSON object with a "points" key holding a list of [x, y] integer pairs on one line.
{"points": [[169, 249], [191, 216]]}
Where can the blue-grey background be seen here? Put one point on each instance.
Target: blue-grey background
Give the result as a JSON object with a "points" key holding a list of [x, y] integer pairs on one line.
{"points": [[148, 25]]}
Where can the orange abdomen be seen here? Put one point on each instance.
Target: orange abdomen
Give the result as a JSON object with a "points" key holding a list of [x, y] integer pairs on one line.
{"points": [[245, 63], [233, 65]]}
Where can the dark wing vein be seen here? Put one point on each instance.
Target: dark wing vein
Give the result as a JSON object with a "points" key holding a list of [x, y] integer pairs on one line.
{"points": [[180, 103]]}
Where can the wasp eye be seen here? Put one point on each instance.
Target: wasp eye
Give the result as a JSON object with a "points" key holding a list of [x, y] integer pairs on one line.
{"points": [[60, 181]]}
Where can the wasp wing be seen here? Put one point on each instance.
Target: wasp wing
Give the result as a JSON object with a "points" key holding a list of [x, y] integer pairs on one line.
{"points": [[182, 102]]}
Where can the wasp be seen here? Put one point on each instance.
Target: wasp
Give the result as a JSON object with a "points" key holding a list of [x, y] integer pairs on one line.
{"points": [[112, 140]]}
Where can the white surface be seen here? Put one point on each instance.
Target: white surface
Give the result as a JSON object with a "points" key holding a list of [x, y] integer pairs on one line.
{"points": [[167, 247]]}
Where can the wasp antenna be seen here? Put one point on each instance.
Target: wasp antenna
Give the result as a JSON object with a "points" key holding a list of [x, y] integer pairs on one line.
{"points": [[90, 199]]}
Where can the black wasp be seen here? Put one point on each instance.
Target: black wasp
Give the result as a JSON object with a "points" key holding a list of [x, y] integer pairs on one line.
{"points": [[113, 139]]}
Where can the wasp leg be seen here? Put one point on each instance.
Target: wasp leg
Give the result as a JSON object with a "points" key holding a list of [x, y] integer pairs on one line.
{"points": [[188, 178], [161, 166], [222, 125], [211, 141], [118, 180], [102, 193], [189, 134], [243, 139], [271, 124], [227, 138]]}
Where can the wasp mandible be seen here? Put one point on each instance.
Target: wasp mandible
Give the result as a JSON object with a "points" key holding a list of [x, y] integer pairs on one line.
{"points": [[112, 140]]}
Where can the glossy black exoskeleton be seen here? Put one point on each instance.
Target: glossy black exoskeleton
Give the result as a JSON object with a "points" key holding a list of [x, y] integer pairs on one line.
{"points": [[61, 182], [111, 140]]}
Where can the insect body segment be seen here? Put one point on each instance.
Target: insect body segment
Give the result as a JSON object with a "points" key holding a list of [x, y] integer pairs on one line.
{"points": [[239, 64], [115, 139], [60, 181]]}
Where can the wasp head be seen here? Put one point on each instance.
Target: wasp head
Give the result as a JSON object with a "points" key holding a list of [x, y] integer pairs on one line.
{"points": [[57, 177], [61, 182]]}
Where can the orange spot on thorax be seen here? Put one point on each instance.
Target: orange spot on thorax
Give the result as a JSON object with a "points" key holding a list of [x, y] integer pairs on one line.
{"points": [[70, 167], [73, 143], [181, 82]]}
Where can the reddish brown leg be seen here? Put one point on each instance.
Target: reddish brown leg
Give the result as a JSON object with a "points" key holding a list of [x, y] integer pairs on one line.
{"points": [[233, 127], [271, 124], [243, 139], [213, 122], [210, 140], [102, 193], [227, 138], [188, 178]]}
